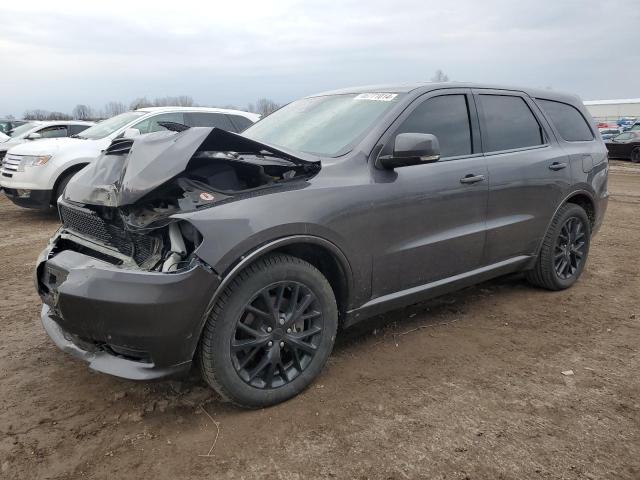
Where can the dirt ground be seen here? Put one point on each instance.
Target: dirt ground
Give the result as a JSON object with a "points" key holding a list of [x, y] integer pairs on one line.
{"points": [[465, 387]]}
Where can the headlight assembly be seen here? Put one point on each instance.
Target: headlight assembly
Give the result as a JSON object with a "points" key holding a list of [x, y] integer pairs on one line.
{"points": [[35, 160]]}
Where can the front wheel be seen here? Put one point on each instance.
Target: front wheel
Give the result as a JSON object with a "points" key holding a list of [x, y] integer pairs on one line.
{"points": [[564, 249], [270, 332], [61, 186], [635, 155]]}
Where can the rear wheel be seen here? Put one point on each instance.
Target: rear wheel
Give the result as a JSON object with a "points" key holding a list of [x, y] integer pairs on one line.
{"points": [[270, 332], [564, 249], [635, 155]]}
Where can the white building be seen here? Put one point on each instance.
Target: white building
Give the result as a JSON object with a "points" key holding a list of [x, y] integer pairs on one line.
{"points": [[612, 110]]}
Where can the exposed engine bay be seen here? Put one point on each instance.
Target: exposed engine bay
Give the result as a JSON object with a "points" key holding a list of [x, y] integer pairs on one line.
{"points": [[119, 209]]}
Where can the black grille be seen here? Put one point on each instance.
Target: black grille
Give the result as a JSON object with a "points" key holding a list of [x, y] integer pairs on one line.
{"points": [[89, 223]]}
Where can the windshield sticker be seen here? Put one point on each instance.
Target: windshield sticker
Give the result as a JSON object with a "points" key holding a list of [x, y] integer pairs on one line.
{"points": [[380, 97]]}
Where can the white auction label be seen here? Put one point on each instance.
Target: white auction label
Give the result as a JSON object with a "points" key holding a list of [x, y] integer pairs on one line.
{"points": [[380, 97]]}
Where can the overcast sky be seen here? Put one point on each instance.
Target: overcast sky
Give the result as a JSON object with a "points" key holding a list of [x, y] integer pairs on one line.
{"points": [[54, 55]]}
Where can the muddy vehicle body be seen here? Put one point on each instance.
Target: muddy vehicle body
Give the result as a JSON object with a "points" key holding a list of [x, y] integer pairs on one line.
{"points": [[246, 252]]}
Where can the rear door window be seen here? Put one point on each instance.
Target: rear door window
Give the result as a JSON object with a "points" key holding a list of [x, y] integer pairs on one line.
{"points": [[209, 119], [446, 117], [508, 123], [569, 122]]}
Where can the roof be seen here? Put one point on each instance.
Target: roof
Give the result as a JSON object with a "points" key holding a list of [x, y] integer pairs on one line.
{"points": [[250, 115], [613, 102], [58, 122], [428, 86]]}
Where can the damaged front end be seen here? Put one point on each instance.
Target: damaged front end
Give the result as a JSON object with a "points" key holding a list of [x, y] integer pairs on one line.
{"points": [[121, 282], [125, 200]]}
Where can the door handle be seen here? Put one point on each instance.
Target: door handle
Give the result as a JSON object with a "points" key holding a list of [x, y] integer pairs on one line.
{"points": [[471, 178], [557, 166]]}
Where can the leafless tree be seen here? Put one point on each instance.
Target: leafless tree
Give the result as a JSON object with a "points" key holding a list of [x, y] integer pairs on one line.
{"points": [[185, 101], [179, 101], [81, 112], [265, 106], [36, 114], [140, 102], [440, 76], [59, 116], [111, 109]]}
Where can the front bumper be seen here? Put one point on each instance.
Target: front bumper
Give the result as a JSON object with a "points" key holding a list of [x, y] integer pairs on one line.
{"points": [[40, 199], [129, 323]]}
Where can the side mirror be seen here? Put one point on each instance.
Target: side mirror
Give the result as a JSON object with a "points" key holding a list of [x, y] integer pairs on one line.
{"points": [[33, 136], [130, 133], [411, 149]]}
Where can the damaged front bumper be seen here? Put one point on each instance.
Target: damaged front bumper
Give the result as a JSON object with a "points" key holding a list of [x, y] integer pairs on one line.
{"points": [[128, 323]]}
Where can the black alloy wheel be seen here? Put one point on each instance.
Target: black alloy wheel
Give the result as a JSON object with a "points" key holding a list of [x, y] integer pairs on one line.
{"points": [[277, 335], [570, 248], [564, 250], [270, 332]]}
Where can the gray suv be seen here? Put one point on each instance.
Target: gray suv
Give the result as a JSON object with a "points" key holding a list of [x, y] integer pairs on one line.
{"points": [[245, 253]]}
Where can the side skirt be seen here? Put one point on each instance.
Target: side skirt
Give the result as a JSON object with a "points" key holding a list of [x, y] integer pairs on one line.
{"points": [[420, 293]]}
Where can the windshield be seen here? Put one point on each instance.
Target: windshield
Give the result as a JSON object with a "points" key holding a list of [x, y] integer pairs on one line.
{"points": [[22, 129], [326, 126], [107, 127]]}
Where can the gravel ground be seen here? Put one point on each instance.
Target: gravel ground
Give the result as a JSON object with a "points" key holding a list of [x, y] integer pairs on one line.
{"points": [[466, 386]]}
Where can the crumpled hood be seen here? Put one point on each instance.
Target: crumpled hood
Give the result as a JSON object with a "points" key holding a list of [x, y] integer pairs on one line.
{"points": [[119, 179]]}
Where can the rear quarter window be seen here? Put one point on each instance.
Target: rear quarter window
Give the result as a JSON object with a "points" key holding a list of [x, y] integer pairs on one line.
{"points": [[75, 129], [241, 123], [569, 122], [208, 119]]}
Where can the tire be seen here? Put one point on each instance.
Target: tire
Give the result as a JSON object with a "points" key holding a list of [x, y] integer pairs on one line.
{"points": [[62, 184], [548, 272], [236, 342], [635, 155]]}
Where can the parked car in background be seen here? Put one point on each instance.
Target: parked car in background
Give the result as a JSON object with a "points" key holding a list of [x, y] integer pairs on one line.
{"points": [[244, 253], [7, 125], [625, 146], [37, 130], [607, 133], [34, 174], [625, 123]]}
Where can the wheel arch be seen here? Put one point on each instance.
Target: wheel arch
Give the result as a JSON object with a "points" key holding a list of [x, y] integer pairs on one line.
{"points": [[578, 197], [585, 201], [75, 168], [323, 254]]}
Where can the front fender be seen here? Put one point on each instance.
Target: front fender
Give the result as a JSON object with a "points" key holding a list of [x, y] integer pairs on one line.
{"points": [[64, 165]]}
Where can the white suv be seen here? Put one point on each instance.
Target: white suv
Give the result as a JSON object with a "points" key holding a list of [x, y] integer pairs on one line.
{"points": [[34, 175], [37, 130]]}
